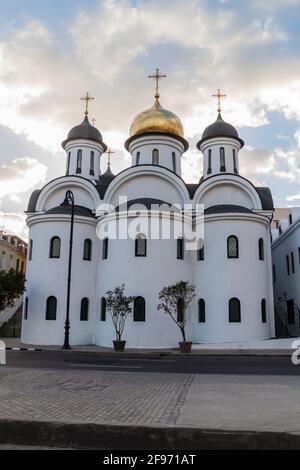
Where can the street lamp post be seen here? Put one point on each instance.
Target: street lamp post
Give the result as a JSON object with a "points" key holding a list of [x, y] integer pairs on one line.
{"points": [[69, 202]]}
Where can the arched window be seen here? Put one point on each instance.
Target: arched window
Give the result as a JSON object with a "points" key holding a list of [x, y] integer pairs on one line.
{"points": [[155, 157], [201, 251], [234, 311], [264, 311], [139, 309], [51, 308], [22, 267], [87, 250], [222, 159], [174, 161], [180, 310], [291, 312], [141, 246], [26, 309], [55, 248], [232, 247], [293, 262], [30, 250], [261, 249], [209, 170], [138, 158], [79, 162], [92, 164], [84, 309], [105, 248], [68, 163], [3, 259], [234, 161], [180, 248], [18, 265], [103, 309], [11, 262], [201, 307]]}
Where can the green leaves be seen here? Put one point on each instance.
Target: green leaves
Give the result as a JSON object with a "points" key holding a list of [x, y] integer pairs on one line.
{"points": [[12, 285], [119, 307], [174, 300]]}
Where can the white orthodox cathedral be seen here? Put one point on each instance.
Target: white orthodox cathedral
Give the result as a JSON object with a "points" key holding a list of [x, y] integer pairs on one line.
{"points": [[232, 272]]}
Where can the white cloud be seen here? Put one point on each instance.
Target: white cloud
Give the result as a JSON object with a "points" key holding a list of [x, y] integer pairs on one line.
{"points": [[15, 198], [255, 162], [111, 49], [14, 223], [294, 197], [41, 82], [20, 175]]}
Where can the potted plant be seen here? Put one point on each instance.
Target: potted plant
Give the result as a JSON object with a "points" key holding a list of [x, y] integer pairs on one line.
{"points": [[120, 307], [174, 301]]}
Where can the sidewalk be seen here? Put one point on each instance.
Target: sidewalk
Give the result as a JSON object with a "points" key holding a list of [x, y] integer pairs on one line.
{"points": [[122, 410], [270, 347]]}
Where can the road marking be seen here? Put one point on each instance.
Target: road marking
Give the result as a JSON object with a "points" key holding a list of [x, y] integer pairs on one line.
{"points": [[150, 360], [107, 366]]}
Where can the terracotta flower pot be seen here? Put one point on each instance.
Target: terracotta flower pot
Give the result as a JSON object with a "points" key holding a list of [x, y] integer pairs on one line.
{"points": [[185, 347], [119, 345]]}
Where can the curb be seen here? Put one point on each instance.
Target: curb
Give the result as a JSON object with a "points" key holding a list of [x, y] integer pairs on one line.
{"points": [[208, 352], [23, 349], [119, 437]]}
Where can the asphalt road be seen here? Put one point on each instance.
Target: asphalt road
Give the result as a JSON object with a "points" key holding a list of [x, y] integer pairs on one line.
{"points": [[234, 365]]}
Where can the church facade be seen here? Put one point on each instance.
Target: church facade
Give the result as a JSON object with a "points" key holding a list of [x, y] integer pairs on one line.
{"points": [[232, 271]]}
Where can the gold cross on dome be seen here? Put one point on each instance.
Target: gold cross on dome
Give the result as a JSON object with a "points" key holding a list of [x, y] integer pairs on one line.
{"points": [[94, 121], [109, 153], [157, 76], [87, 99], [219, 95]]}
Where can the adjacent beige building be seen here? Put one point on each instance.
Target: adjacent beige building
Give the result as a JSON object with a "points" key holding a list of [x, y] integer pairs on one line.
{"points": [[13, 252]]}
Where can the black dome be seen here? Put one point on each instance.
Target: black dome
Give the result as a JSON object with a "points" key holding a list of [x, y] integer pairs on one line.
{"points": [[85, 131], [78, 210], [220, 128], [107, 177]]}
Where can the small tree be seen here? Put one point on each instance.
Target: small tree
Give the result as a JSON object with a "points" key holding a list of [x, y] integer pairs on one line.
{"points": [[12, 285], [119, 307], [175, 300]]}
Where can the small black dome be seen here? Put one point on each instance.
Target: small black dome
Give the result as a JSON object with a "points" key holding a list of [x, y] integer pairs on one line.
{"points": [[220, 128], [85, 131], [107, 177]]}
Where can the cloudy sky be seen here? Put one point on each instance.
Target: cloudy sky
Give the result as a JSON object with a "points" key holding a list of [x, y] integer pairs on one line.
{"points": [[53, 51]]}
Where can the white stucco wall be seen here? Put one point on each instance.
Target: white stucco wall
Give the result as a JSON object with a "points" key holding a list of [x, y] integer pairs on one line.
{"points": [[165, 145], [48, 277], [53, 194], [87, 147], [218, 279], [287, 243], [213, 146], [143, 277], [228, 189], [147, 182]]}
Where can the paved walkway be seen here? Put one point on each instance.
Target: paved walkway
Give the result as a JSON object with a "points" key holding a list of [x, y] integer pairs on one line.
{"points": [[263, 347], [92, 396], [279, 344], [259, 403]]}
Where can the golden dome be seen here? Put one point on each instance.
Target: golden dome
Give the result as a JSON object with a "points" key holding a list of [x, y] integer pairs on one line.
{"points": [[157, 119]]}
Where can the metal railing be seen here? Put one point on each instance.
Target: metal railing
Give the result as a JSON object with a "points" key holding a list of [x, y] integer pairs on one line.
{"points": [[285, 326]]}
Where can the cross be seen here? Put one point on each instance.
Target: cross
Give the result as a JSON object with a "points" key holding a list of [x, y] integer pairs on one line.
{"points": [[109, 153], [87, 98], [157, 76], [219, 95], [94, 121]]}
